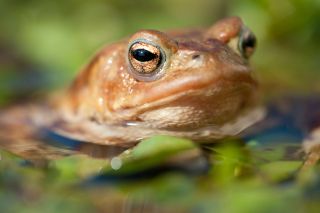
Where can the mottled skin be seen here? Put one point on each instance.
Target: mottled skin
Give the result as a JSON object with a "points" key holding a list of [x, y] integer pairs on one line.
{"points": [[206, 83], [203, 89]]}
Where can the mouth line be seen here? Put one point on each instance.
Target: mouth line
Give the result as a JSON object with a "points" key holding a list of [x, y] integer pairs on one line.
{"points": [[189, 84], [208, 90]]}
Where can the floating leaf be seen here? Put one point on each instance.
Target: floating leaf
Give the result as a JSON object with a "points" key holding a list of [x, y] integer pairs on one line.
{"points": [[279, 170], [75, 167], [153, 152]]}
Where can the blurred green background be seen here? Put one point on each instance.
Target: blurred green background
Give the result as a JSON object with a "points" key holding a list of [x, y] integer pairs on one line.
{"points": [[44, 43], [59, 37]]}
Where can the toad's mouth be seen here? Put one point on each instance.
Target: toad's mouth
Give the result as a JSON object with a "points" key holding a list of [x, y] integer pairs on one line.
{"points": [[200, 89]]}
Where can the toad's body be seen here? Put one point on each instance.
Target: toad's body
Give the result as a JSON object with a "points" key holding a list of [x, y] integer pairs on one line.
{"points": [[194, 84]]}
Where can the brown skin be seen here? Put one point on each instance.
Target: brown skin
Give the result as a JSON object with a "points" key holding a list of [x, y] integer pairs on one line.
{"points": [[196, 63], [195, 84], [205, 81]]}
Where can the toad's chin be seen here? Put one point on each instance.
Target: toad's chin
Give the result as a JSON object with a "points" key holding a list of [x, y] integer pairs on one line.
{"points": [[211, 106], [205, 133], [134, 131]]}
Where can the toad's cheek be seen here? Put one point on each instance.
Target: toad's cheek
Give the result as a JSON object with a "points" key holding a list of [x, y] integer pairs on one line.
{"points": [[205, 82], [199, 108]]}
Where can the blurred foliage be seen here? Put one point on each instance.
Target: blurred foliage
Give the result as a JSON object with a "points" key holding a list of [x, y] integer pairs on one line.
{"points": [[46, 42], [288, 42], [62, 35], [251, 183]]}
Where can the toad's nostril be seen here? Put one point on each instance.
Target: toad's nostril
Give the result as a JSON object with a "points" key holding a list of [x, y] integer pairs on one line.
{"points": [[196, 56]]}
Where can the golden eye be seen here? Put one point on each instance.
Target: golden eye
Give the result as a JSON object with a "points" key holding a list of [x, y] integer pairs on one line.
{"points": [[146, 60], [247, 42]]}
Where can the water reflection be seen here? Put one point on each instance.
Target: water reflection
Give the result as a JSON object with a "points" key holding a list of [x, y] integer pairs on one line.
{"points": [[90, 149], [46, 145]]}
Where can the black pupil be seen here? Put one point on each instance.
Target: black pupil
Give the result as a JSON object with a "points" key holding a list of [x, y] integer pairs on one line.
{"points": [[143, 55], [249, 41]]}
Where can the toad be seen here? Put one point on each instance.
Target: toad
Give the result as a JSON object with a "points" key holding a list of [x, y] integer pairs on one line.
{"points": [[195, 84]]}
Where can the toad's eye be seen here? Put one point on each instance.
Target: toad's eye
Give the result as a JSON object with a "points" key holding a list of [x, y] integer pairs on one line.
{"points": [[145, 60], [143, 55], [247, 42]]}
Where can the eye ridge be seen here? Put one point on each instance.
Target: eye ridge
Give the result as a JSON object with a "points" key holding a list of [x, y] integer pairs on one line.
{"points": [[143, 55]]}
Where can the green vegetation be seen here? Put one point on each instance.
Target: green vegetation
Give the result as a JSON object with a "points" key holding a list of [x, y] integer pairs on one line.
{"points": [[240, 179]]}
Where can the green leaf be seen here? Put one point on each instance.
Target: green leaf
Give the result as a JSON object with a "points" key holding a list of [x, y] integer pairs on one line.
{"points": [[279, 170], [150, 153]]}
